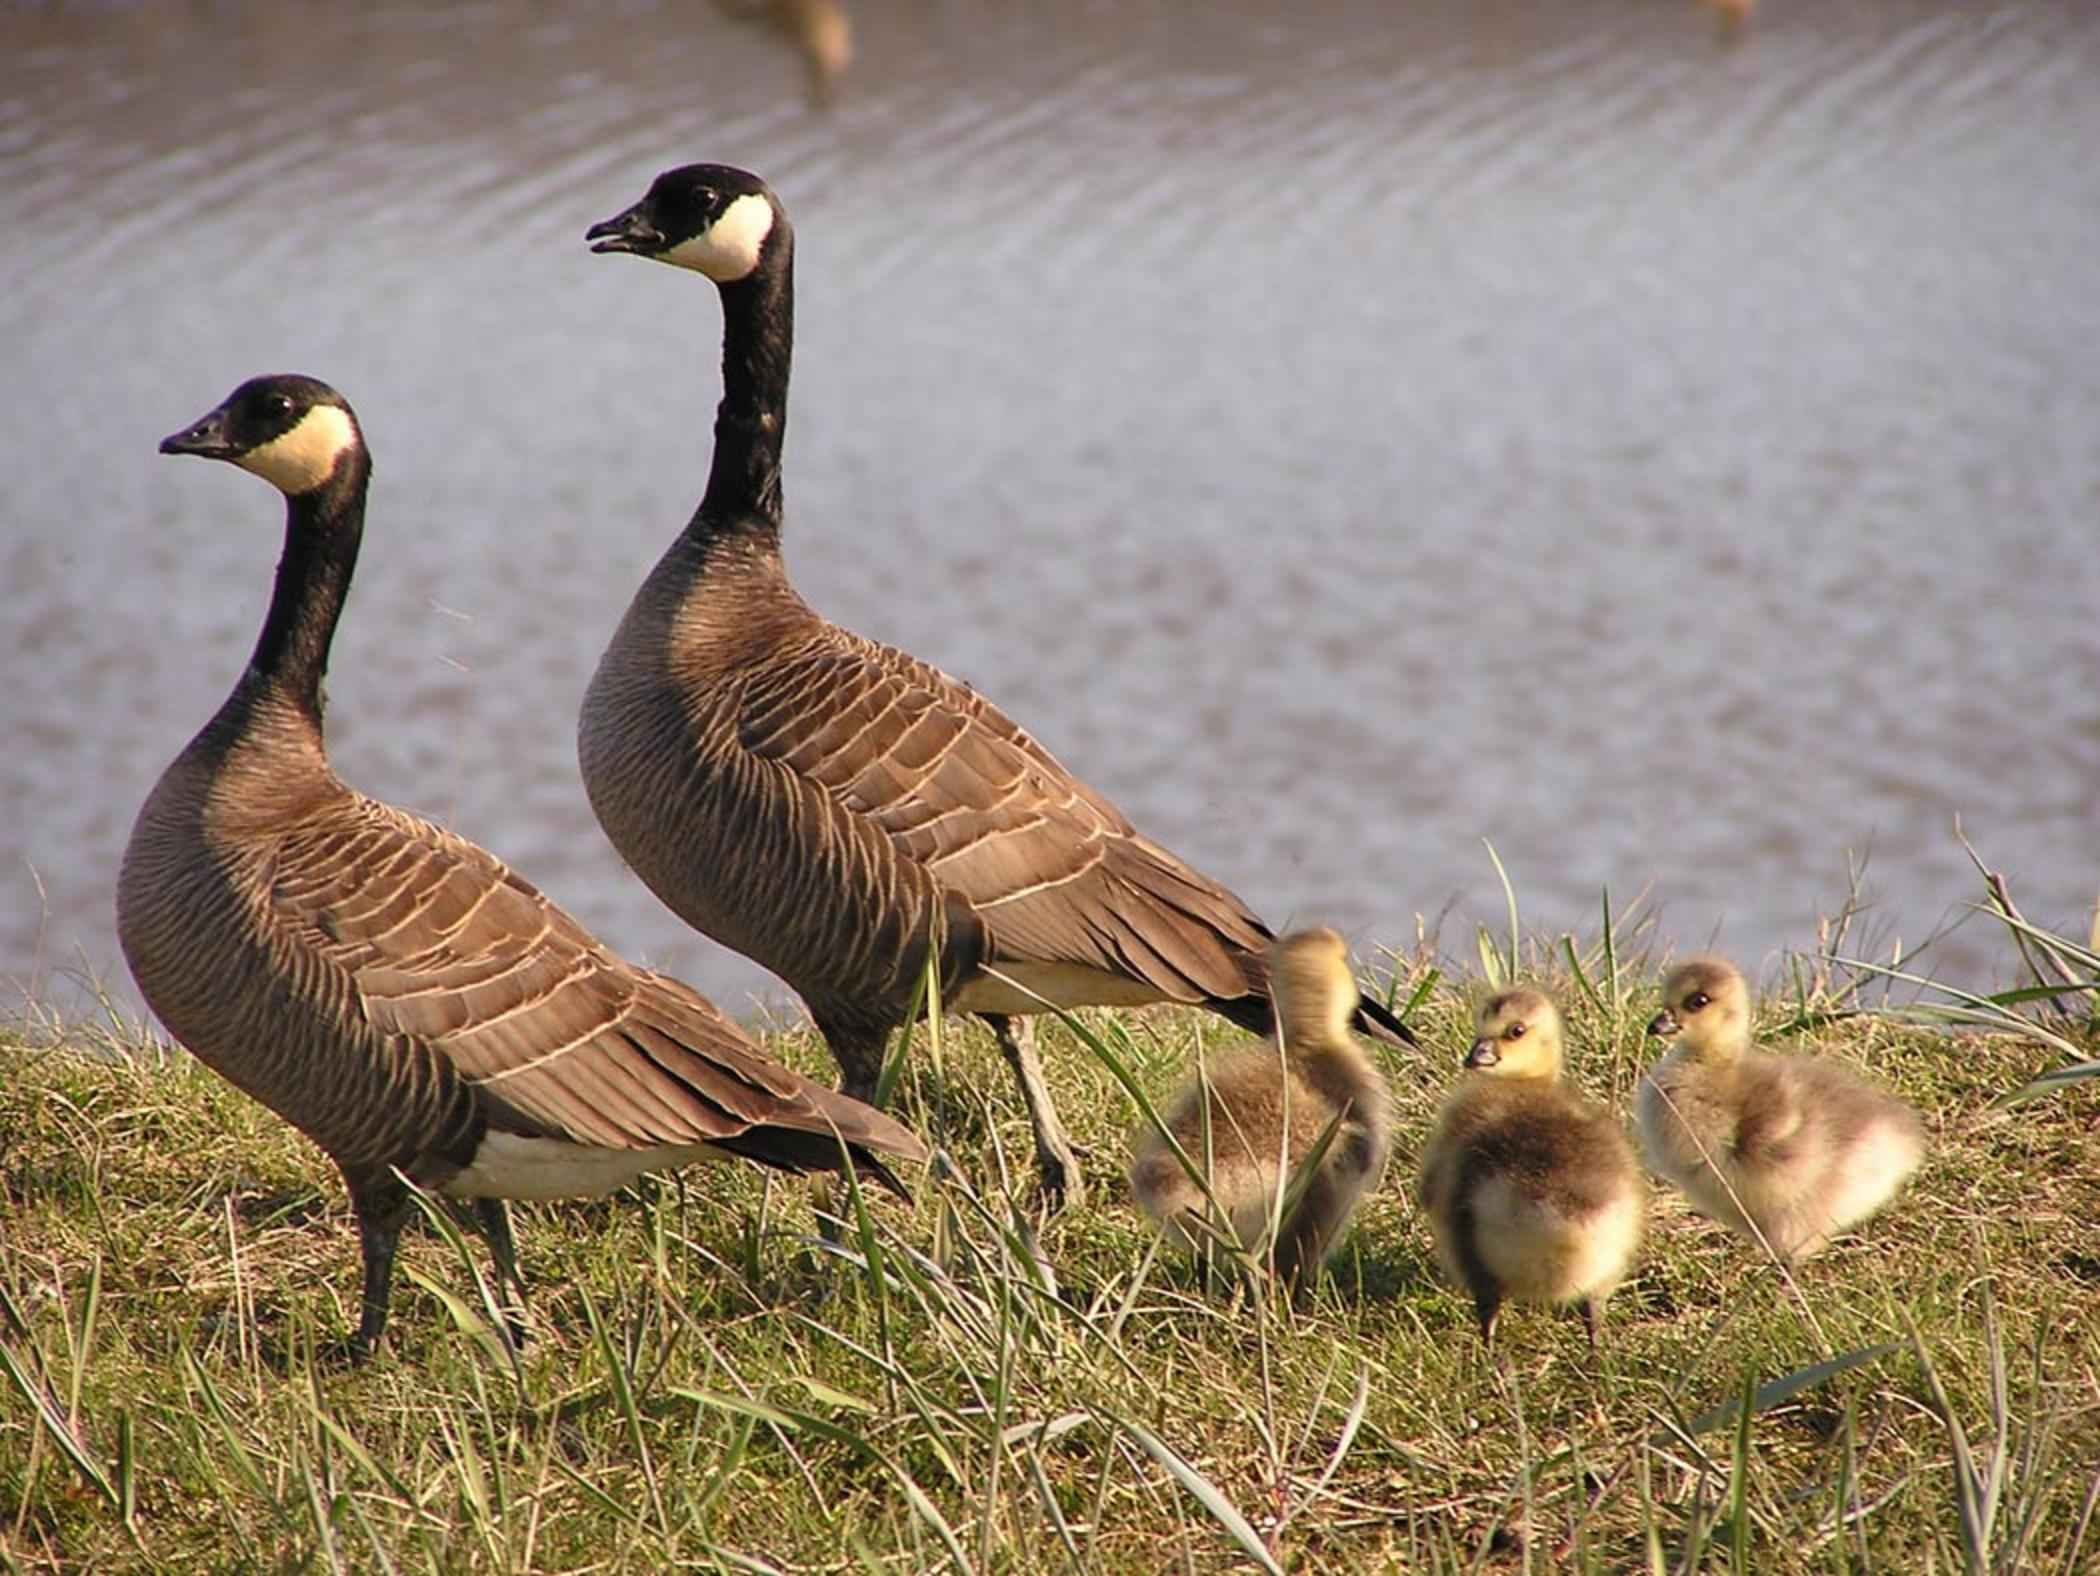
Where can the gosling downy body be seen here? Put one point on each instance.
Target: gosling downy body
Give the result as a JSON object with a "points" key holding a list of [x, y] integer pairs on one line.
{"points": [[1787, 1149], [1531, 1191], [1252, 1119], [838, 810], [390, 989]]}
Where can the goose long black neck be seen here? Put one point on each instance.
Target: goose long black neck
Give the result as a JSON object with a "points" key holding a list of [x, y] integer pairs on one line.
{"points": [[758, 343], [322, 532]]}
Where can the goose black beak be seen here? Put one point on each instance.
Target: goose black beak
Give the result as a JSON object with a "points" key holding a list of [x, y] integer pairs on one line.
{"points": [[1485, 1053], [626, 232], [205, 438], [1664, 1024]]}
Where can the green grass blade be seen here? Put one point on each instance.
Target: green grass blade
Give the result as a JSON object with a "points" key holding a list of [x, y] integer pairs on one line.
{"points": [[788, 1421], [48, 1412], [1739, 1489], [1787, 1386], [1205, 1493], [1509, 896], [1610, 943]]}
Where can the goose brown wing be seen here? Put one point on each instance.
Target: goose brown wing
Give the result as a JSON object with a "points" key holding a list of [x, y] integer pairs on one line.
{"points": [[970, 800], [446, 947]]}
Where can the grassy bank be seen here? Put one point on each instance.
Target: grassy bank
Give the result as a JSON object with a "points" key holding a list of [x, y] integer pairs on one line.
{"points": [[712, 1384]]}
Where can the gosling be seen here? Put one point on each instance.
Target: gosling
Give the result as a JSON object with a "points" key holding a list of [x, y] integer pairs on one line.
{"points": [[1786, 1150], [1531, 1191], [1250, 1121]]}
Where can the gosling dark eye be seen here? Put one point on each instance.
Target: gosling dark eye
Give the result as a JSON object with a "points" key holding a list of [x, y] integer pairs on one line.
{"points": [[1514, 1032], [1696, 1000]]}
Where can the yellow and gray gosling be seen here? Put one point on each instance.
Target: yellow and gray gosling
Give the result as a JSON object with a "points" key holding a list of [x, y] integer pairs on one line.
{"points": [[1251, 1119], [1789, 1150], [1531, 1191], [391, 990]]}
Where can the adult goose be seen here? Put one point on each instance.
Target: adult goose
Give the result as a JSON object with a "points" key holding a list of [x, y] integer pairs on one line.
{"points": [[840, 811], [390, 989]]}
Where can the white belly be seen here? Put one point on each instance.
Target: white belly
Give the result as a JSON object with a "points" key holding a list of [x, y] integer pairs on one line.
{"points": [[508, 1165], [1065, 984]]}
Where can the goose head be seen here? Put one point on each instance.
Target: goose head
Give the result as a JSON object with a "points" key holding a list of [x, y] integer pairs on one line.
{"points": [[1310, 983], [294, 432], [713, 218], [1706, 1007], [1516, 1035]]}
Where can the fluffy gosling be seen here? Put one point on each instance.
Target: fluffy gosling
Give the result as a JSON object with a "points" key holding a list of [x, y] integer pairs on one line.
{"points": [[1789, 1150], [1531, 1191], [1251, 1120]]}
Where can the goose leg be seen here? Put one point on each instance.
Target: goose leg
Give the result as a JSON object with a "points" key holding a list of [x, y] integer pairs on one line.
{"points": [[1055, 1160], [1479, 1279], [859, 1056], [382, 1210], [1301, 1244], [1487, 1307], [493, 1216], [1590, 1310]]}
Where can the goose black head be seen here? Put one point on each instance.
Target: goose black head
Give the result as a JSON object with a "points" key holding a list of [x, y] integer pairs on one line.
{"points": [[711, 218], [292, 431]]}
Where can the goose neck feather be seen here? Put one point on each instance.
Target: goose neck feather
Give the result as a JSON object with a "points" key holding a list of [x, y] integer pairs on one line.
{"points": [[758, 341], [322, 532]]}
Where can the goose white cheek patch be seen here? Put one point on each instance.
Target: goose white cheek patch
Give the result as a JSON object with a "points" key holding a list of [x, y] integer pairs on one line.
{"points": [[304, 457], [728, 249]]}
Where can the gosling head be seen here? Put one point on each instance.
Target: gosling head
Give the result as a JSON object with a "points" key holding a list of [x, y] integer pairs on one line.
{"points": [[712, 218], [1312, 988], [1516, 1035], [295, 432], [1706, 1006]]}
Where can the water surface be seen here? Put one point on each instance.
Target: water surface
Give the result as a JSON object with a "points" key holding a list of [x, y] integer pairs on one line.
{"points": [[1343, 436]]}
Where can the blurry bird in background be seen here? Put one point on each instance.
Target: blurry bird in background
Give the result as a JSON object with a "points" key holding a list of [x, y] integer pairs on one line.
{"points": [[820, 30], [1734, 14]]}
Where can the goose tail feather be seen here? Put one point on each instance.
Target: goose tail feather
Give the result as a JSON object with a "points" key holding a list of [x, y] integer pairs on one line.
{"points": [[1375, 1022]]}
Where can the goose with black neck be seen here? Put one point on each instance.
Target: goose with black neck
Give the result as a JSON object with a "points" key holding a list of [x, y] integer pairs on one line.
{"points": [[390, 989], [836, 809]]}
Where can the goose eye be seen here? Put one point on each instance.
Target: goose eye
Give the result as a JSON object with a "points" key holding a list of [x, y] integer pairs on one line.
{"points": [[279, 404], [1514, 1032], [1696, 1000], [708, 199]]}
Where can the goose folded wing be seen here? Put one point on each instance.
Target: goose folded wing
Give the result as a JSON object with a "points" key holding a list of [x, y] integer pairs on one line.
{"points": [[445, 946], [967, 799], [1772, 1123]]}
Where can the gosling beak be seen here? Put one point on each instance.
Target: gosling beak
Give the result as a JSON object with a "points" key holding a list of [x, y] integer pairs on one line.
{"points": [[626, 232], [205, 437], [1664, 1024], [1485, 1053]]}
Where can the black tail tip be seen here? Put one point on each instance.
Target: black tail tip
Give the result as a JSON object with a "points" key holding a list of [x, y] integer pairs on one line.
{"points": [[1375, 1021], [867, 1165]]}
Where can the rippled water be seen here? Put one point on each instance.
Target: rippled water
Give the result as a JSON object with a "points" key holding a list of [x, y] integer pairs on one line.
{"points": [[1342, 436]]}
